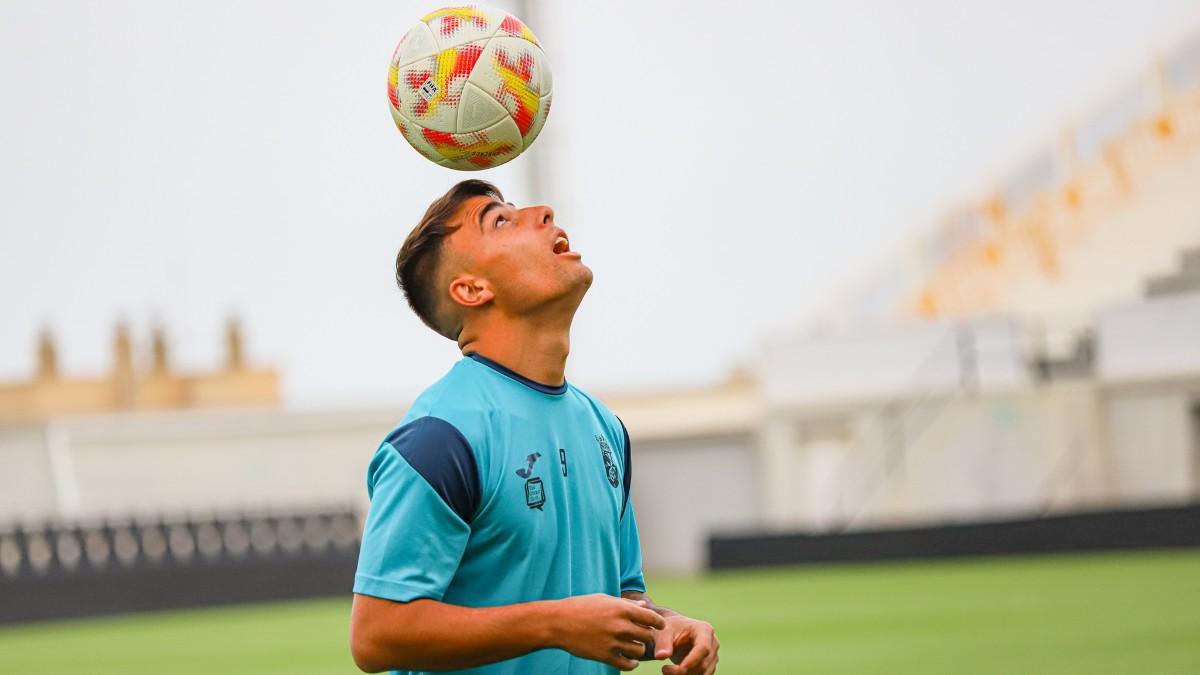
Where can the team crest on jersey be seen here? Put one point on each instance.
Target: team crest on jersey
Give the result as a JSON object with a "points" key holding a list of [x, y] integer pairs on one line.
{"points": [[610, 466]]}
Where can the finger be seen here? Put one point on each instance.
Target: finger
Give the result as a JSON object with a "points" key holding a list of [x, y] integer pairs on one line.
{"points": [[664, 644], [621, 662], [645, 617], [633, 631], [695, 657], [631, 648], [700, 669], [716, 655]]}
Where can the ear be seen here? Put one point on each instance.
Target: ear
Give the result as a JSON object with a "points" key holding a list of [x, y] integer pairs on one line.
{"points": [[471, 291]]}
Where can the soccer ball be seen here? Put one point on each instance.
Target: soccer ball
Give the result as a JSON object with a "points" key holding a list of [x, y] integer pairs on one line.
{"points": [[469, 87]]}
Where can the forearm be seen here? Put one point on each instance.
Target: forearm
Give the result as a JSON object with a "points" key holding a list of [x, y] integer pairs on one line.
{"points": [[431, 635]]}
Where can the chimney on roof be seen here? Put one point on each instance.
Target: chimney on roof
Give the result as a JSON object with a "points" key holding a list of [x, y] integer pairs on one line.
{"points": [[47, 356], [159, 363], [123, 365], [234, 357]]}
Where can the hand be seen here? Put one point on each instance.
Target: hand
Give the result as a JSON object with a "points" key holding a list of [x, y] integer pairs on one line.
{"points": [[692, 645], [604, 628]]}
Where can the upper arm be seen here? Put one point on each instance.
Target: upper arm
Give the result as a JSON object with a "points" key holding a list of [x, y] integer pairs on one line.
{"points": [[374, 624], [366, 614], [368, 610], [424, 489]]}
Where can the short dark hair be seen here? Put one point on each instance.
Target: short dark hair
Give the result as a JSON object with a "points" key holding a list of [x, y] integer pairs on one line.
{"points": [[418, 259]]}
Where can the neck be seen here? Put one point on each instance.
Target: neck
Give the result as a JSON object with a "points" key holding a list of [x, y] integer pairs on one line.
{"points": [[536, 347]]}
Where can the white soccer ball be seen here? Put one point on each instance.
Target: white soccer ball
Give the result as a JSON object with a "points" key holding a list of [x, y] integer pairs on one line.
{"points": [[469, 87]]}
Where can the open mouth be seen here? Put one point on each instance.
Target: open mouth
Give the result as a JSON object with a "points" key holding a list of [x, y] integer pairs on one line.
{"points": [[562, 244]]}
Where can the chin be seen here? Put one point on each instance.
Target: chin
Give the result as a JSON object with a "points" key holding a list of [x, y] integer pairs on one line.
{"points": [[586, 275]]}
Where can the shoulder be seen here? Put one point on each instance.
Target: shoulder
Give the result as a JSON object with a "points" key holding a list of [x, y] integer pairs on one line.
{"points": [[612, 424], [425, 431], [459, 384], [460, 400], [438, 440], [438, 452]]}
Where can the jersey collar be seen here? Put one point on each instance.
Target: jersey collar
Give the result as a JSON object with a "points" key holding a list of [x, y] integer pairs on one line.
{"points": [[513, 375]]}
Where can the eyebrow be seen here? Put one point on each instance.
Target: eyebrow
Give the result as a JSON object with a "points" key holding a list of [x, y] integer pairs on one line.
{"points": [[487, 209]]}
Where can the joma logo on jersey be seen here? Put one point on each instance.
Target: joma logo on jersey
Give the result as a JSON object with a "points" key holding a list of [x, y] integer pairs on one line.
{"points": [[528, 471], [610, 466]]}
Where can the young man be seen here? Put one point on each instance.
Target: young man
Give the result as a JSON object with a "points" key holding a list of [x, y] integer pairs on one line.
{"points": [[501, 539]]}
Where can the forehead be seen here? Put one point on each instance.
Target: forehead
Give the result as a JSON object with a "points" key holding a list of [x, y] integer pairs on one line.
{"points": [[466, 232], [468, 213]]}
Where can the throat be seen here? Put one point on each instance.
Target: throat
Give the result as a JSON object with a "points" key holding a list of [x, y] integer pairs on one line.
{"points": [[537, 355]]}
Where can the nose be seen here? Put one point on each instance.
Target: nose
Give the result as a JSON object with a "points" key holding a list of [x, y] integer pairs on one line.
{"points": [[541, 216]]}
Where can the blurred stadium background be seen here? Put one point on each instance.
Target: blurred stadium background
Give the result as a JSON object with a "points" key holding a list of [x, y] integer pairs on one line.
{"points": [[1021, 375]]}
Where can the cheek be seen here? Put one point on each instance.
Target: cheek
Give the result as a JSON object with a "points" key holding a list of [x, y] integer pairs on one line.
{"points": [[524, 269], [523, 275], [518, 253]]}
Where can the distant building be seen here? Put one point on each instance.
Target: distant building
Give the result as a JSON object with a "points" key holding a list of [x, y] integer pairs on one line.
{"points": [[133, 386]]}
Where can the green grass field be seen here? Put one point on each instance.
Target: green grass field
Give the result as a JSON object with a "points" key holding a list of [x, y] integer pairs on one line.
{"points": [[1129, 613]]}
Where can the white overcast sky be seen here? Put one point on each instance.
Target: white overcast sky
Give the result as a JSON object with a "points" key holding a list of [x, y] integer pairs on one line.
{"points": [[721, 165]]}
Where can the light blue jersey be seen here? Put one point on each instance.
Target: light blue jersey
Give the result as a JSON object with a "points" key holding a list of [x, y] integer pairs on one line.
{"points": [[496, 490]]}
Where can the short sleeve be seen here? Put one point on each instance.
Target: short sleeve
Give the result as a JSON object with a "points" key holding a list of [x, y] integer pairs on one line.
{"points": [[423, 487], [631, 554], [631, 544]]}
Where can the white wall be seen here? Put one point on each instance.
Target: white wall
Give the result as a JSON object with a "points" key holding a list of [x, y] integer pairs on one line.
{"points": [[995, 456], [962, 456], [1153, 444], [196, 462], [683, 490], [27, 490], [1151, 339], [189, 462], [891, 361]]}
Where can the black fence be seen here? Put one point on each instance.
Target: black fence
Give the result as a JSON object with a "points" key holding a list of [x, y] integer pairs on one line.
{"points": [[1176, 527], [54, 571]]}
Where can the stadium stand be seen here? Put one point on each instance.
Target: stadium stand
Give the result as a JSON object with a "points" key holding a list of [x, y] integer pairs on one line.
{"points": [[1035, 354]]}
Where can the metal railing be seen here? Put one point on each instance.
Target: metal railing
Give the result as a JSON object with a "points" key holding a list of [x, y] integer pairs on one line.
{"points": [[64, 548]]}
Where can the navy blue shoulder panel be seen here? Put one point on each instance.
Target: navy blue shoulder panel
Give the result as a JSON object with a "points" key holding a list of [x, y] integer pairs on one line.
{"points": [[627, 480], [439, 452]]}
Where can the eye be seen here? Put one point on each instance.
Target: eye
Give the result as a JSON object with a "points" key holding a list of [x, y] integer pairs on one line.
{"points": [[501, 219]]}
